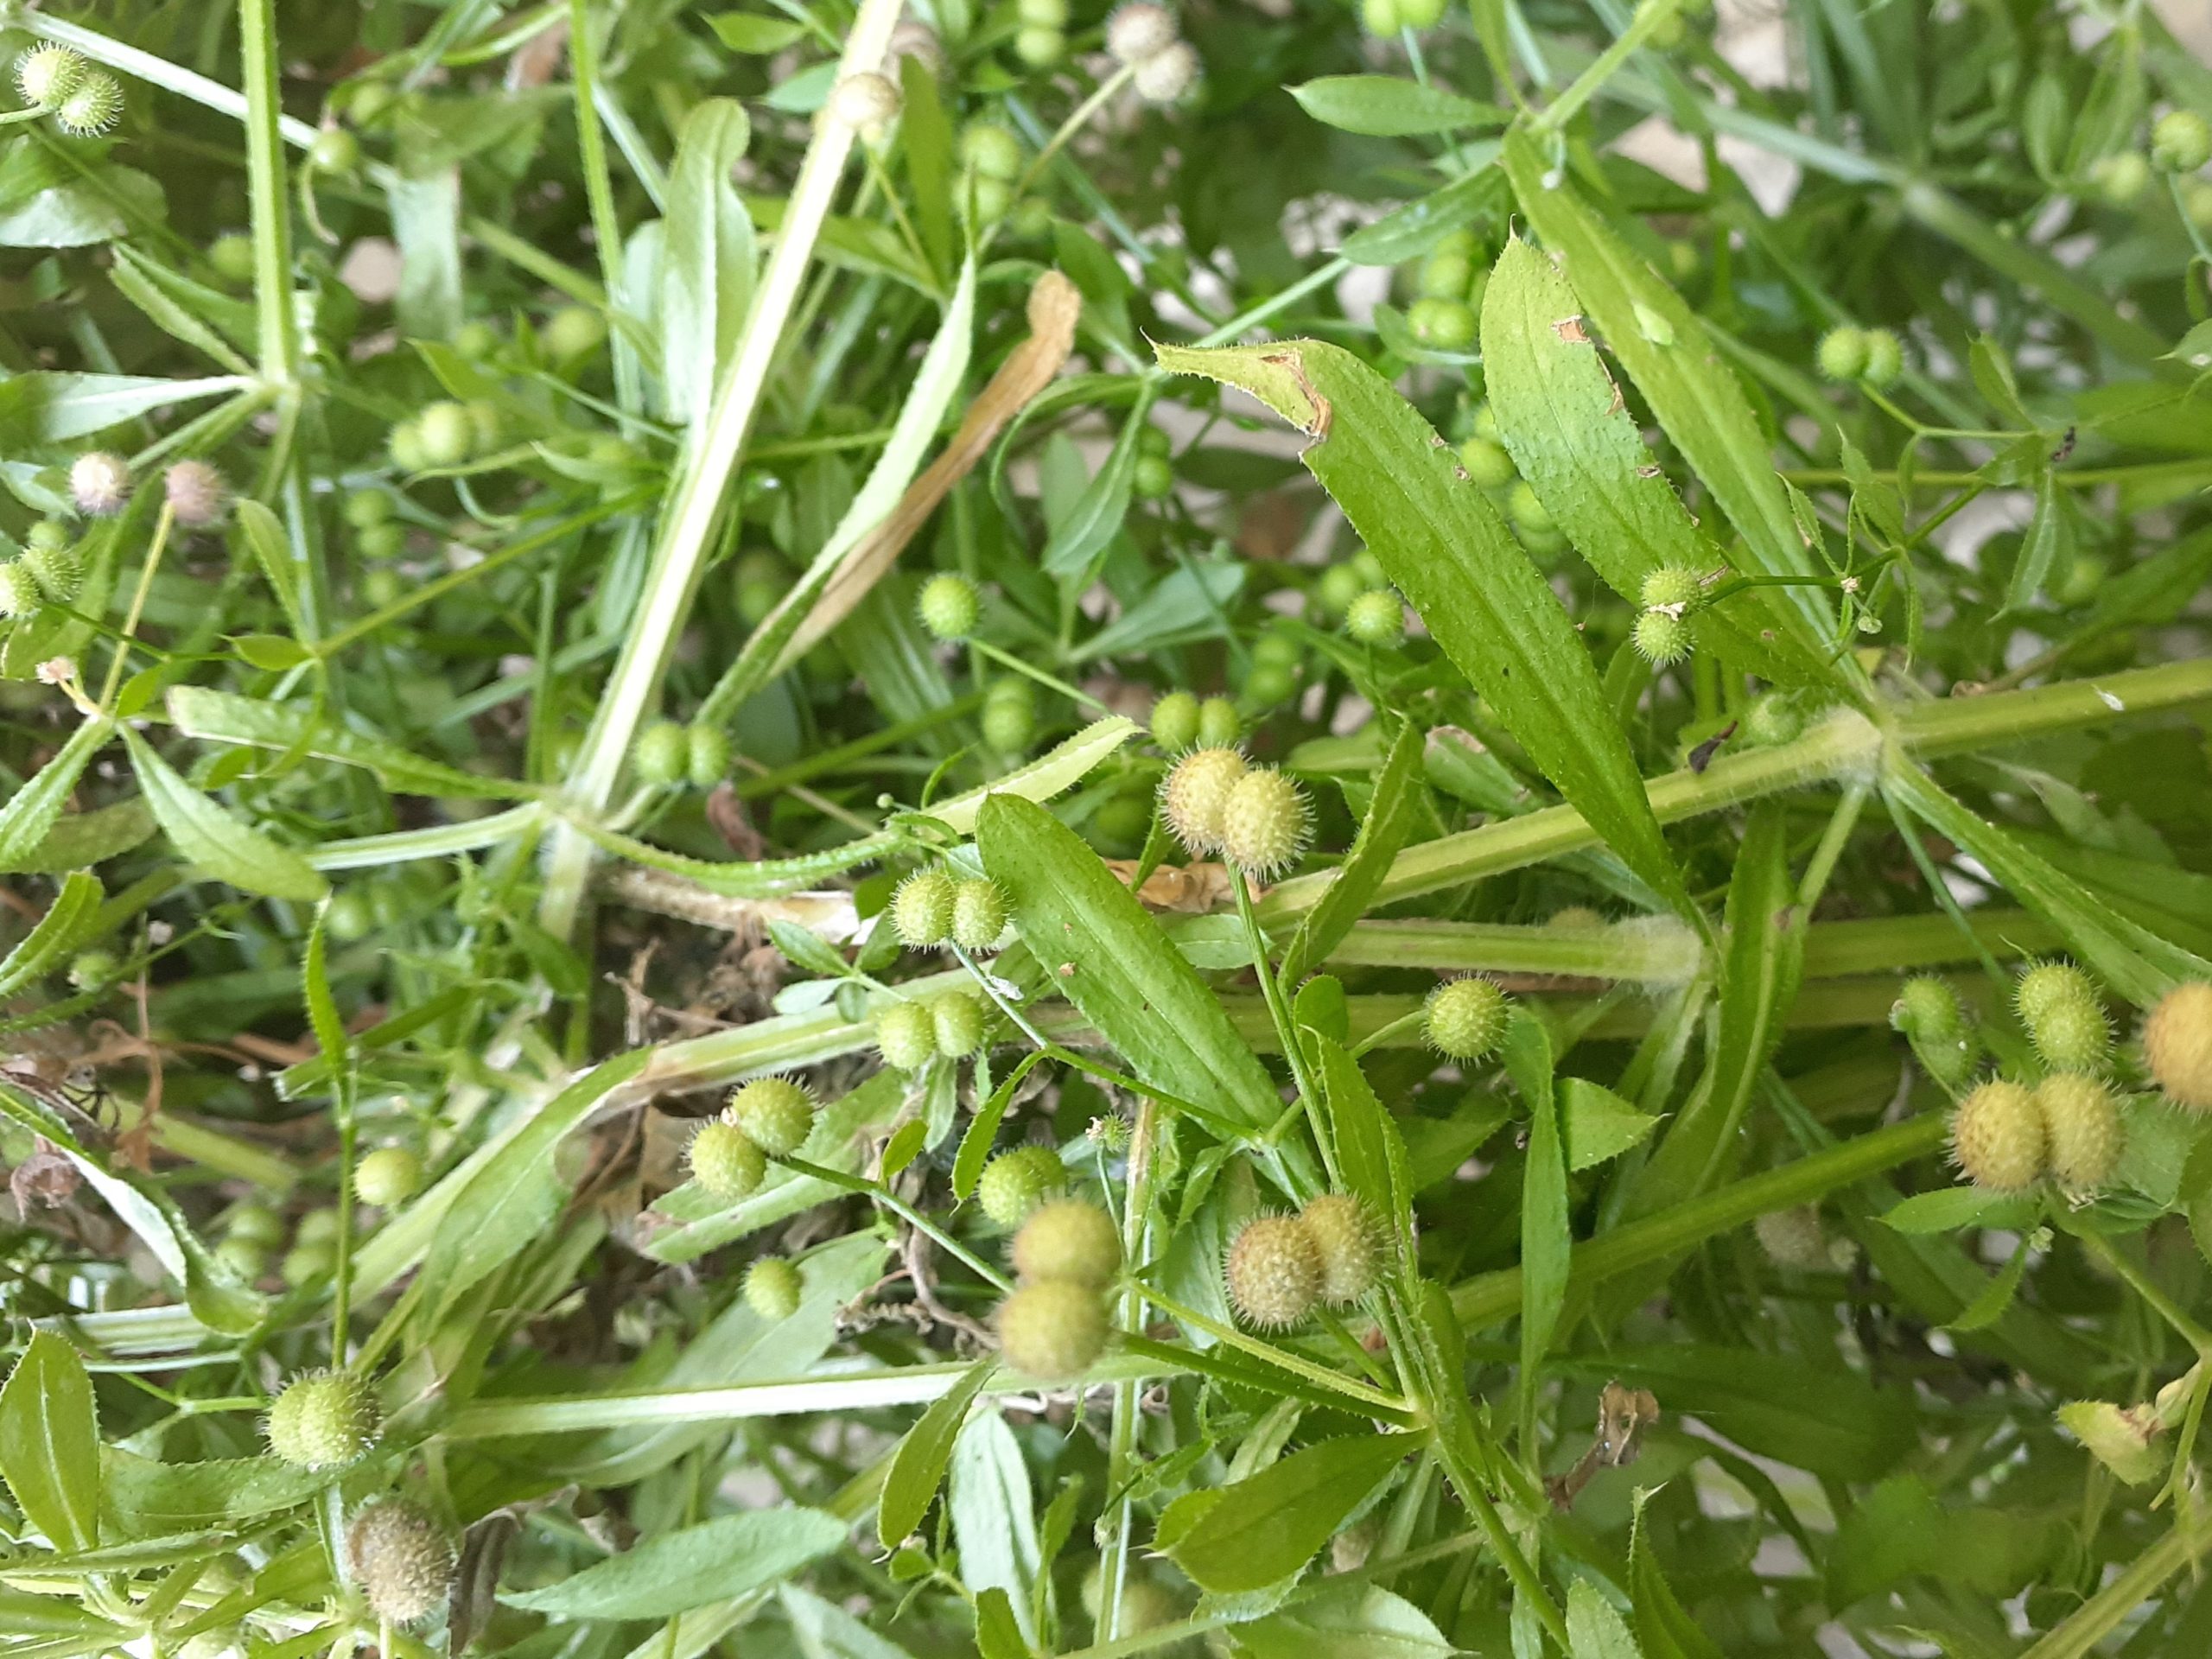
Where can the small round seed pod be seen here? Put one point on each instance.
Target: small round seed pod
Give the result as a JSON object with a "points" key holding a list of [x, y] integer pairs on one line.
{"points": [[772, 1287], [2082, 1123], [726, 1163], [59, 571], [1009, 717], [323, 1420], [922, 910], [318, 1227], [1661, 639], [447, 434], [307, 1263], [2177, 1045], [90, 969], [1168, 74], [1885, 359], [1040, 47], [1794, 1238], [1194, 797], [1052, 1329], [1152, 478], [1264, 822], [1219, 724], [663, 755], [243, 1257], [1016, 1182], [1068, 1241], [367, 506], [401, 1559], [20, 593], [404, 443], [992, 150], [959, 1018], [1929, 1012], [1526, 508], [864, 101], [1444, 274], [776, 1114], [948, 606], [1998, 1137], [1774, 718], [2065, 1017], [1273, 1272], [1175, 722], [93, 105], [979, 914], [197, 493], [1442, 324], [48, 536], [706, 753], [1465, 1018], [1339, 585], [255, 1223], [1376, 618], [1671, 586], [388, 1176], [905, 1035], [47, 74], [1140, 30], [2181, 142], [1842, 353], [99, 483], [573, 332], [1487, 463], [1344, 1235], [335, 150]]}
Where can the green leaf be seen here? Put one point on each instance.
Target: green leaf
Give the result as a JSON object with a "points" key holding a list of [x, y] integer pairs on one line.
{"points": [[1096, 517], [210, 840], [1190, 603], [998, 1632], [1066, 764], [1600, 1123], [994, 1514], [919, 1465], [426, 222], [77, 839], [48, 407], [1382, 831], [708, 262], [1989, 1304], [1445, 547], [729, 1556], [272, 652], [1263, 1529], [290, 728], [982, 1130], [756, 36], [30, 812], [1695, 396], [1947, 1209], [169, 313], [2048, 545], [1358, 1622], [1595, 1628], [1370, 1152], [825, 1631], [925, 142], [1667, 1630], [1411, 231], [145, 1498], [57, 933], [1390, 106], [804, 948], [75, 212], [50, 1443], [264, 534], [1102, 951], [1546, 1241]]}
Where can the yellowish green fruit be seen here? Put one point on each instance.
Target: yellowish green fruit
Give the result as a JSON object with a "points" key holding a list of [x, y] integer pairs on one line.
{"points": [[2177, 1045], [388, 1176], [1661, 639], [772, 1287], [1052, 1329], [1465, 1018], [1194, 797], [1343, 1233], [905, 1035], [1275, 1272], [922, 909], [949, 606], [959, 1018], [401, 1559], [2082, 1123], [1069, 1240], [1998, 1137], [1175, 722], [1219, 724], [323, 1420], [1017, 1181], [726, 1163], [776, 1114], [979, 914], [1264, 822]]}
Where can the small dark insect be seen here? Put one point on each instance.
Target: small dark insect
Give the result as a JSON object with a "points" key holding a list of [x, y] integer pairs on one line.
{"points": [[1701, 756], [2065, 446]]}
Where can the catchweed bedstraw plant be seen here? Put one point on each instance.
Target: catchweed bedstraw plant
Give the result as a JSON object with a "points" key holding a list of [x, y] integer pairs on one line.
{"points": [[706, 853]]}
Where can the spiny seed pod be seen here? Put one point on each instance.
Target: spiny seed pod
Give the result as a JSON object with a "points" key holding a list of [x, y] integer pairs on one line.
{"points": [[1264, 822], [2181, 142], [1194, 796], [323, 1420], [90, 969], [2074, 1036], [1661, 639], [905, 1035], [662, 755], [20, 593], [59, 571], [573, 332], [47, 74], [1273, 1272], [772, 1287], [388, 1176], [401, 1559], [1139, 30], [197, 493], [1168, 74], [1070, 1241], [2044, 985], [1465, 1018], [959, 1018], [255, 1223], [1039, 47], [1774, 718], [948, 606], [1219, 724], [726, 1163], [1052, 1329], [1016, 1182], [307, 1263], [706, 753], [864, 101], [922, 909], [1009, 718], [1376, 618], [1842, 353], [991, 151], [48, 536], [1344, 1235], [1794, 1238], [1929, 1012], [1442, 324], [336, 150], [93, 105], [1998, 1137], [979, 914], [99, 483], [446, 432], [1670, 585], [776, 1114], [2081, 1121], [1885, 359], [1175, 722], [1487, 463], [2177, 1045]]}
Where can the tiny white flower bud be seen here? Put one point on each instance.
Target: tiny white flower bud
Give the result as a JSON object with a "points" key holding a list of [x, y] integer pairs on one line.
{"points": [[1139, 30], [1168, 74]]}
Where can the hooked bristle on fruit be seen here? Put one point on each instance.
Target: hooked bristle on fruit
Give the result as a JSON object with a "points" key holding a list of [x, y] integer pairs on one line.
{"points": [[197, 493], [922, 910], [774, 1288], [1017, 1181], [1841, 353], [959, 1018], [99, 483], [1273, 1272], [1070, 1240], [1194, 797], [2065, 1016], [401, 1559], [47, 74], [726, 1163], [20, 593], [1344, 1235], [776, 1114], [1998, 1137], [388, 1176], [59, 571], [2177, 1045], [1219, 724], [1264, 822], [1376, 618], [2083, 1126], [323, 1420], [979, 914], [1052, 1329], [1465, 1018], [905, 1035], [1671, 586], [1661, 637], [948, 607], [92, 106]]}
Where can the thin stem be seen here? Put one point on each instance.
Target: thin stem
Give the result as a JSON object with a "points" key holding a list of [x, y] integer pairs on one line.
{"points": [[1286, 1033], [599, 190], [906, 1213], [1121, 1433], [2147, 1287], [1370, 1399], [1008, 661], [162, 526], [1073, 125], [1650, 16]]}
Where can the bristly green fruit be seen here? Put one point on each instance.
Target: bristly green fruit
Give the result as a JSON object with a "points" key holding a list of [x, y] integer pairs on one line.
{"points": [[1842, 353], [706, 754], [1009, 716], [2081, 1125], [2181, 142], [388, 1176], [323, 1420], [2121, 179], [1194, 797], [1070, 1241], [949, 605], [59, 571], [1487, 463], [2177, 1045], [20, 593], [905, 1035], [1442, 324], [1794, 1238], [1344, 1233], [1376, 618], [1273, 1272], [773, 1288], [924, 909], [401, 1559], [1175, 722], [959, 1018], [979, 914], [1929, 1012], [776, 1114], [2065, 1015], [1661, 639], [1465, 1018], [726, 1163], [1219, 724], [447, 434], [573, 332], [1998, 1138], [1052, 1329], [662, 752], [92, 106], [47, 74], [307, 1263], [1526, 508], [1264, 822], [1885, 359], [1016, 1182], [991, 151], [1773, 719], [1671, 587]]}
